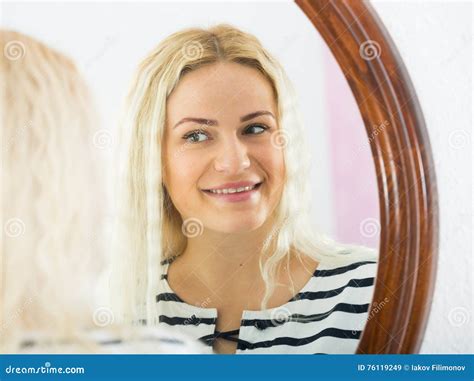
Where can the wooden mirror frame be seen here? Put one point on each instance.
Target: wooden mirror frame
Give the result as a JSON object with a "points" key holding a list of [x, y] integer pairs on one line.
{"points": [[405, 172]]}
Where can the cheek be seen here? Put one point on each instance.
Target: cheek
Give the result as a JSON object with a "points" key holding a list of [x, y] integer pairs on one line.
{"points": [[272, 160], [184, 170]]}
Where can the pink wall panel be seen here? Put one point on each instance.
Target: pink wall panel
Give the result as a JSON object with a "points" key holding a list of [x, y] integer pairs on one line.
{"points": [[354, 182]]}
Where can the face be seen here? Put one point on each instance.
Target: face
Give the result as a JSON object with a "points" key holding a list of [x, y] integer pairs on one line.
{"points": [[220, 121]]}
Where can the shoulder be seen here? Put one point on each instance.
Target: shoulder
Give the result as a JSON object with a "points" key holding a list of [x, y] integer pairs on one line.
{"points": [[351, 258], [351, 270]]}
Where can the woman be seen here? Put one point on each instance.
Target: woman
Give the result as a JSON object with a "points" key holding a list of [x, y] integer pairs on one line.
{"points": [[215, 236], [52, 200]]}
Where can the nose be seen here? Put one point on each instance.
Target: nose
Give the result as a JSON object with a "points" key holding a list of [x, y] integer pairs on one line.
{"points": [[232, 156]]}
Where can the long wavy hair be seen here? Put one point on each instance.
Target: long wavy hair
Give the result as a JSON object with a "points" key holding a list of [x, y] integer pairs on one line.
{"points": [[149, 226], [50, 249]]}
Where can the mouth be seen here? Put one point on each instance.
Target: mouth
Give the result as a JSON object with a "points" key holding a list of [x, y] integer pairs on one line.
{"points": [[241, 194], [227, 191]]}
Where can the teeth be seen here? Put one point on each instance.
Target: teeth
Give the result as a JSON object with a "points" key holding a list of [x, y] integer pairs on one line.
{"points": [[232, 190]]}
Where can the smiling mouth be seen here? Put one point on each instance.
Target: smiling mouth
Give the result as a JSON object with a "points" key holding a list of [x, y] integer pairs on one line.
{"points": [[234, 190]]}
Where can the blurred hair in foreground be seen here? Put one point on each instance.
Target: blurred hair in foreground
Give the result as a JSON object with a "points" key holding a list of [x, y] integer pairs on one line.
{"points": [[52, 200]]}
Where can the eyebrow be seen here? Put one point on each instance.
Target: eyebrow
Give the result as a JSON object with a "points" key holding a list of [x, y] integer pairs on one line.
{"points": [[212, 122]]}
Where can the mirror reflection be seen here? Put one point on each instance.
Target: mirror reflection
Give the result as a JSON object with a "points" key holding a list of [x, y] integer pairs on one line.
{"points": [[243, 213]]}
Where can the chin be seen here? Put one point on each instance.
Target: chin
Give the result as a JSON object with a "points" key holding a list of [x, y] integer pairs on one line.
{"points": [[241, 225]]}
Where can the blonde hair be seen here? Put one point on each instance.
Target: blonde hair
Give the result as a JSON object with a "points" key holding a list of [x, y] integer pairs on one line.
{"points": [[50, 254], [149, 228]]}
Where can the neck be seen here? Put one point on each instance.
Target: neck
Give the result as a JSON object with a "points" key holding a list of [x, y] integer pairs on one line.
{"points": [[215, 257]]}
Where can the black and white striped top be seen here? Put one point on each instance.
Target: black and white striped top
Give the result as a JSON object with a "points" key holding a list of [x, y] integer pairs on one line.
{"points": [[327, 316]]}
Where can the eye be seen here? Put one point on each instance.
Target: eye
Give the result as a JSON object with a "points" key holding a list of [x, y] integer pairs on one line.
{"points": [[258, 126], [194, 134]]}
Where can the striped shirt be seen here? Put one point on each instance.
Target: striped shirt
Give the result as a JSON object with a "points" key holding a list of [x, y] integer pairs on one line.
{"points": [[327, 315]]}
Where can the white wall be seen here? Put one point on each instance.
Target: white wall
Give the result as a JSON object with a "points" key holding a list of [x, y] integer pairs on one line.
{"points": [[435, 41]]}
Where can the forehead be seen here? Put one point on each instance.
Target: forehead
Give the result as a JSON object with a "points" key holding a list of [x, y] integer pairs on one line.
{"points": [[223, 89]]}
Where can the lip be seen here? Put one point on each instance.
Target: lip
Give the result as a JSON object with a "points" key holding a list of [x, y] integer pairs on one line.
{"points": [[236, 197], [234, 185]]}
